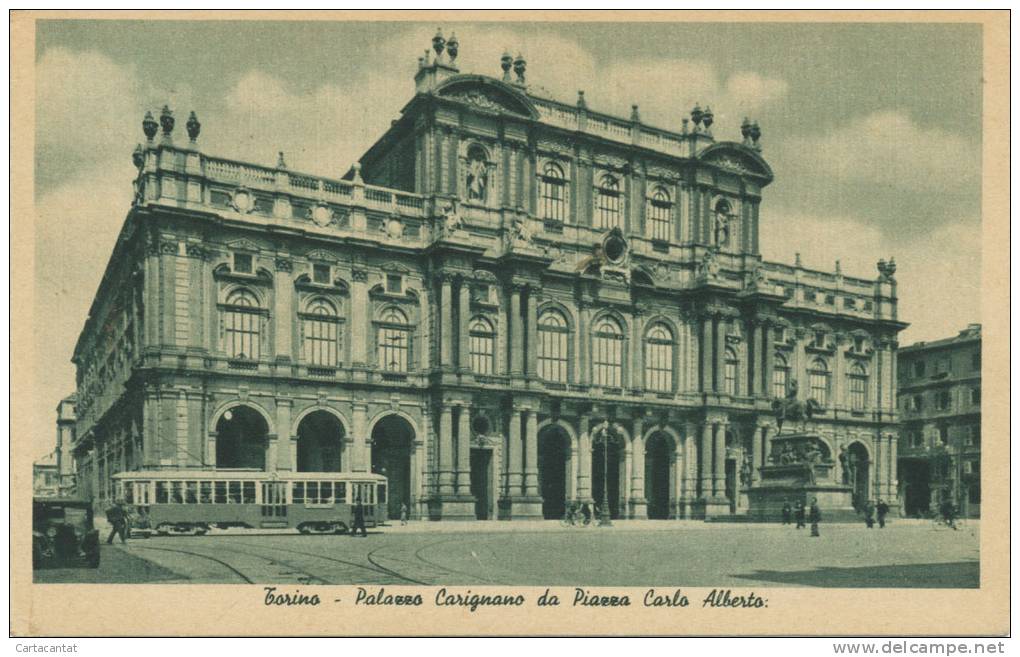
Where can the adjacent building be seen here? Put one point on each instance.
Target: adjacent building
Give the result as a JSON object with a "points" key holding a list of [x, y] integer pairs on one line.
{"points": [[940, 439], [45, 478], [510, 303], [65, 442]]}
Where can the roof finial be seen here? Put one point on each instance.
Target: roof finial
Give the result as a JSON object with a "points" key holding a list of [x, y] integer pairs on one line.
{"points": [[635, 115], [745, 131], [505, 62], [755, 135], [696, 116], [438, 43], [707, 118], [166, 119], [149, 126], [520, 66], [581, 102], [452, 47], [193, 126], [280, 163]]}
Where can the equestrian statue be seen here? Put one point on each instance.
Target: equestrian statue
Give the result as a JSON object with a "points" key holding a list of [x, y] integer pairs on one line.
{"points": [[793, 409]]}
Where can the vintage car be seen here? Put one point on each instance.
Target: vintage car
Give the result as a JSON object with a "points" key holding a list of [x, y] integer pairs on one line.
{"points": [[63, 533]]}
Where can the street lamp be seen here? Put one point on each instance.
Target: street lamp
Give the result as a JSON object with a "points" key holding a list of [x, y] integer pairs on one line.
{"points": [[605, 518]]}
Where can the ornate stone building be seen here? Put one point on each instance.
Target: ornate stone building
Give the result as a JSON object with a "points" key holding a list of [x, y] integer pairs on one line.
{"points": [[511, 302], [940, 440]]}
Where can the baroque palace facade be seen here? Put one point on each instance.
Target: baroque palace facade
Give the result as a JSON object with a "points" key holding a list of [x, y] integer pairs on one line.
{"points": [[509, 304]]}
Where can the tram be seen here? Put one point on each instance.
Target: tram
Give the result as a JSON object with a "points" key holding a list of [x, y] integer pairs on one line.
{"points": [[191, 502]]}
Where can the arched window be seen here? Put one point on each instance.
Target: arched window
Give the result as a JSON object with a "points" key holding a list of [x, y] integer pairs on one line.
{"points": [[607, 354], [394, 341], [607, 203], [660, 211], [553, 340], [552, 193], [858, 384], [320, 334], [818, 374], [483, 341], [731, 371], [242, 325], [780, 376], [659, 358]]}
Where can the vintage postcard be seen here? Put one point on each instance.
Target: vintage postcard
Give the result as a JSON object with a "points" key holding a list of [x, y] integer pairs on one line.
{"points": [[517, 323]]}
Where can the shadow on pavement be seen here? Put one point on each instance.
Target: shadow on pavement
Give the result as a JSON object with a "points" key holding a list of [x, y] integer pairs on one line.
{"points": [[116, 566], [952, 575]]}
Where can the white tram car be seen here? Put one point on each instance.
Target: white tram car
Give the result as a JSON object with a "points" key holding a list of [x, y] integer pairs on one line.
{"points": [[194, 501]]}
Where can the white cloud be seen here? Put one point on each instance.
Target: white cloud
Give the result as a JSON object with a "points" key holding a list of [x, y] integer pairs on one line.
{"points": [[887, 149]]}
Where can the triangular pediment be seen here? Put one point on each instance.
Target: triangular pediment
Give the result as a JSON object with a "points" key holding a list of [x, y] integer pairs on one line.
{"points": [[487, 94]]}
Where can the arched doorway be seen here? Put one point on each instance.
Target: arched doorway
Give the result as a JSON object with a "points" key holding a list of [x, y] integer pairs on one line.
{"points": [[553, 456], [860, 473], [392, 441], [319, 443], [607, 460], [660, 455], [241, 439]]}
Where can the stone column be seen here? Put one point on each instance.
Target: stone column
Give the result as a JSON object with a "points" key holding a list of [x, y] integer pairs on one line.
{"points": [[637, 336], [839, 396], [584, 460], [531, 453], [572, 469], [464, 451], [637, 473], [707, 359], [446, 450], [893, 494], [758, 384], [756, 452], [625, 479], [283, 437], [283, 311], [516, 333], [515, 464], [362, 458], [532, 354], [720, 460], [445, 312], [706, 459], [464, 310], [584, 343], [359, 322], [720, 356], [768, 359]]}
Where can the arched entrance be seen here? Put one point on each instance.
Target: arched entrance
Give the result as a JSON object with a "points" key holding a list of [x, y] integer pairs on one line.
{"points": [[319, 443], [392, 441], [241, 439], [606, 462], [660, 455], [553, 456], [860, 473]]}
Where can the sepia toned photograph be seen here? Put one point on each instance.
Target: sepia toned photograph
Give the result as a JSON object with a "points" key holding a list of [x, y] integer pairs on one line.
{"points": [[394, 314]]}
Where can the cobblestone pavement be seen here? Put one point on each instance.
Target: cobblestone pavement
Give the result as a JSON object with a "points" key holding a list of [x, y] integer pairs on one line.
{"points": [[630, 553]]}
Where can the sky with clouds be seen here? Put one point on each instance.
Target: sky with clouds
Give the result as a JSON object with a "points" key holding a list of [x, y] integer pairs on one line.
{"points": [[873, 131]]}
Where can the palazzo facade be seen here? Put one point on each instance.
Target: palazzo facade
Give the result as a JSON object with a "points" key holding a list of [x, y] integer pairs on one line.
{"points": [[509, 304]]}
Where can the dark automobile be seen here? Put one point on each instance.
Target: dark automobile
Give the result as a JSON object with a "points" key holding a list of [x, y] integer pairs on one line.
{"points": [[63, 533]]}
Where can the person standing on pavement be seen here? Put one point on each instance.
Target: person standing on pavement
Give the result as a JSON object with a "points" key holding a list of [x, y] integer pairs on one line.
{"points": [[869, 514], [815, 516], [359, 519], [798, 514], [117, 517], [787, 511], [882, 509], [403, 514]]}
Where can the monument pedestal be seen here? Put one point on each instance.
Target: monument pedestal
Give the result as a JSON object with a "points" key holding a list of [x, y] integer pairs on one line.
{"points": [[801, 469]]}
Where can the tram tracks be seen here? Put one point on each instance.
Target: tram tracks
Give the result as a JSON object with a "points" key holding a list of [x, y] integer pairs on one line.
{"points": [[305, 577], [378, 569]]}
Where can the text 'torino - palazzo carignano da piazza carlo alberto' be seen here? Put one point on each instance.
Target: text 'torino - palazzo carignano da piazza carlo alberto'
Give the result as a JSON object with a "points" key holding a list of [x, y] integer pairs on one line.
{"points": [[509, 303]]}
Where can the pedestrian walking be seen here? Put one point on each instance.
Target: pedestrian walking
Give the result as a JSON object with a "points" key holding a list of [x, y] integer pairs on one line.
{"points": [[116, 515], [815, 516], [883, 509], [798, 514], [403, 514], [359, 518], [948, 513], [787, 511], [869, 514]]}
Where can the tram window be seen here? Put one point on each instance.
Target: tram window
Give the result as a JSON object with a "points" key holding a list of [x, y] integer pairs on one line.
{"points": [[144, 492], [221, 492], [205, 492], [161, 492], [299, 492], [176, 492], [313, 492], [339, 491], [381, 491], [126, 491], [326, 492], [249, 492], [191, 492], [233, 492]]}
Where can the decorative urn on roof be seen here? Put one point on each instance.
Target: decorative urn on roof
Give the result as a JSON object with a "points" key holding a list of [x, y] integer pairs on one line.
{"points": [[166, 119], [193, 127], [149, 126]]}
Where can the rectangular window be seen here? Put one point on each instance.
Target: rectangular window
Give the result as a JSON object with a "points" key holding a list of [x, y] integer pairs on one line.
{"points": [[944, 435], [242, 328], [659, 217], [850, 302], [162, 494], [779, 382], [975, 396], [298, 494], [830, 300], [394, 284], [820, 339], [176, 492], [248, 492], [858, 392], [243, 263], [919, 368], [321, 340], [312, 492], [974, 494], [233, 492], [974, 436], [191, 492], [820, 387], [340, 491], [320, 274], [552, 201], [221, 492], [205, 493], [975, 360]]}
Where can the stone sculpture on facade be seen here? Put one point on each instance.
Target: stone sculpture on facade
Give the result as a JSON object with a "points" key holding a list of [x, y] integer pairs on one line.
{"points": [[477, 176]]}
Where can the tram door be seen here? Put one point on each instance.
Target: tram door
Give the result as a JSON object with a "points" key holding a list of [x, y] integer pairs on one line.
{"points": [[274, 502]]}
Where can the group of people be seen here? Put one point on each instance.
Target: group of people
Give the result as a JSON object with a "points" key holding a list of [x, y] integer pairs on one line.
{"points": [[580, 513], [803, 514], [871, 509]]}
